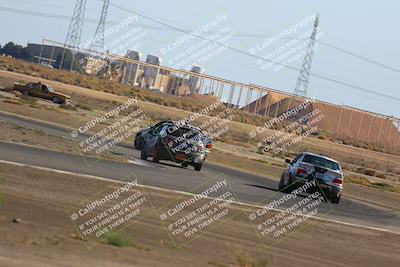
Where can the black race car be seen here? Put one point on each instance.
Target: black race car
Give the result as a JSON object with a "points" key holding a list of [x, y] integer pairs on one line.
{"points": [[186, 145]]}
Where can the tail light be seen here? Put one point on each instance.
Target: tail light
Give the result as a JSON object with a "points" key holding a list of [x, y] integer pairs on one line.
{"points": [[301, 171], [209, 146], [337, 181]]}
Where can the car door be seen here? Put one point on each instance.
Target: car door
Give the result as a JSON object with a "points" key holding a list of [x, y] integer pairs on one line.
{"points": [[46, 92], [152, 139], [36, 91]]}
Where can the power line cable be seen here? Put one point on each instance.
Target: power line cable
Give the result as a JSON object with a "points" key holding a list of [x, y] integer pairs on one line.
{"points": [[323, 77], [243, 35], [346, 84]]}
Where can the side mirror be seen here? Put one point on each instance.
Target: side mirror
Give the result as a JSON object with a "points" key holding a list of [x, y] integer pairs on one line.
{"points": [[288, 161]]}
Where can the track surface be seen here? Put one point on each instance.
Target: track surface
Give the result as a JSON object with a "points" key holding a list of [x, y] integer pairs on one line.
{"points": [[248, 188]]}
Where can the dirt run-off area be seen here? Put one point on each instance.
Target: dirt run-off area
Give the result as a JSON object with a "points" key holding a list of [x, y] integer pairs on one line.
{"points": [[36, 230]]}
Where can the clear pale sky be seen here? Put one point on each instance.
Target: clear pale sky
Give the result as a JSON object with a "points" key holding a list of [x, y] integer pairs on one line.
{"points": [[368, 28]]}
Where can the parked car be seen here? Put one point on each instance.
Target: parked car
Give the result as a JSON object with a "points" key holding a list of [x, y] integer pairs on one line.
{"points": [[166, 141], [42, 91], [45, 64], [326, 171]]}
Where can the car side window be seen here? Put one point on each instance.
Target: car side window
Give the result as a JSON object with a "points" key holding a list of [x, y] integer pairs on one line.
{"points": [[157, 129], [297, 158]]}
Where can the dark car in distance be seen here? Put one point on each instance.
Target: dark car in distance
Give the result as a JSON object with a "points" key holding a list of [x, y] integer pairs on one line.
{"points": [[186, 145]]}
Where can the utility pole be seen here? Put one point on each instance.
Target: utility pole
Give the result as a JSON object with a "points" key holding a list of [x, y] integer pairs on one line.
{"points": [[304, 76], [99, 35], [74, 34]]}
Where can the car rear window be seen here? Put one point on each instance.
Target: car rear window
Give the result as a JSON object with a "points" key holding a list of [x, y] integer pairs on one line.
{"points": [[322, 162], [184, 132]]}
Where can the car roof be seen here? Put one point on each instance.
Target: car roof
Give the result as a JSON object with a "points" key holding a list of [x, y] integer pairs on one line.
{"points": [[320, 156]]}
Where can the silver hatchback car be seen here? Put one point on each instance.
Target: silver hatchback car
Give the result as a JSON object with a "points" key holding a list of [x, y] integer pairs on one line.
{"points": [[326, 171]]}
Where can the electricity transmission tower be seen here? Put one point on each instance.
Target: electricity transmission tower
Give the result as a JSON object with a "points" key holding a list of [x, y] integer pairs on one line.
{"points": [[98, 41], [74, 34], [304, 76]]}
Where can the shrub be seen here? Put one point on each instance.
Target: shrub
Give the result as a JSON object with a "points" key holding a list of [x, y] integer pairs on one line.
{"points": [[118, 239], [357, 180], [370, 172], [83, 106]]}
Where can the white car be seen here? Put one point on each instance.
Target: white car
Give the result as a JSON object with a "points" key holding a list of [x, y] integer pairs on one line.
{"points": [[326, 171]]}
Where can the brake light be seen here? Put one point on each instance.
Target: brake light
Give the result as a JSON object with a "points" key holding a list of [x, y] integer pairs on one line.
{"points": [[337, 181], [301, 171], [209, 146]]}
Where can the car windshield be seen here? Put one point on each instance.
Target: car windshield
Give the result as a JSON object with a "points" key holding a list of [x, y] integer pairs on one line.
{"points": [[50, 89], [322, 162]]}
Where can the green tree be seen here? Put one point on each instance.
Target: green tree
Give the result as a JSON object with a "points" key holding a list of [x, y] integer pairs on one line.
{"points": [[17, 51]]}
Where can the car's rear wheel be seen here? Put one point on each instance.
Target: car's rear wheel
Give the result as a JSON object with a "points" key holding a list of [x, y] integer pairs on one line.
{"points": [[56, 100], [156, 154], [335, 198], [143, 154], [197, 166]]}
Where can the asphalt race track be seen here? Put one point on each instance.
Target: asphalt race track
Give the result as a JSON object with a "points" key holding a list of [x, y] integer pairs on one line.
{"points": [[248, 188]]}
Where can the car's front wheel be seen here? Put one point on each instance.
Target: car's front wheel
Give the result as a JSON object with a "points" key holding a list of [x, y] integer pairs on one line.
{"points": [[281, 183], [138, 143], [335, 198], [285, 188], [143, 154]]}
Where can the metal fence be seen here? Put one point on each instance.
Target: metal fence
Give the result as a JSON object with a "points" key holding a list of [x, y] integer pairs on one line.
{"points": [[343, 121]]}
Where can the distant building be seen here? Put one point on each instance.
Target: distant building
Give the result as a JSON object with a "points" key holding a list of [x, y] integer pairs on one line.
{"points": [[194, 81], [150, 74], [131, 70]]}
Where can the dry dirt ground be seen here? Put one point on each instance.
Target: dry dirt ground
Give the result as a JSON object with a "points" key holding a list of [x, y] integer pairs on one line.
{"points": [[17, 134], [348, 154], [225, 154], [45, 235]]}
